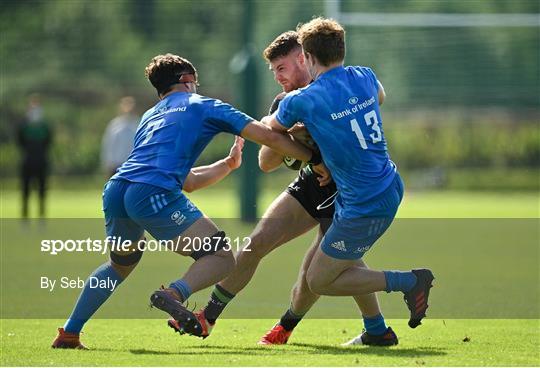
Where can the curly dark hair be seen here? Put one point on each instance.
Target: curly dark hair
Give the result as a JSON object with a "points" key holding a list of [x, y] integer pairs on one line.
{"points": [[282, 46], [164, 71]]}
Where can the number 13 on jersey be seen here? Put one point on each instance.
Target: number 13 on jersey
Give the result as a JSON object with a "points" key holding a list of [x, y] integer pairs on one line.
{"points": [[371, 121]]}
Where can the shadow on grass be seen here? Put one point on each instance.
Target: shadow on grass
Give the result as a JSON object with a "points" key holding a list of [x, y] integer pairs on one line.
{"points": [[395, 351], [300, 348], [212, 349]]}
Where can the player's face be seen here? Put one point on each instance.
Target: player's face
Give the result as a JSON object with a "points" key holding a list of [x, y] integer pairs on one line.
{"points": [[290, 71]]}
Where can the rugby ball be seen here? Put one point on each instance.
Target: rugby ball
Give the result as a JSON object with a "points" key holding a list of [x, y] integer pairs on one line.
{"points": [[300, 134]]}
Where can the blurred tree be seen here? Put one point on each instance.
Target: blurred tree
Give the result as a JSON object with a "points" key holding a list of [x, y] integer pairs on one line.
{"points": [[82, 55]]}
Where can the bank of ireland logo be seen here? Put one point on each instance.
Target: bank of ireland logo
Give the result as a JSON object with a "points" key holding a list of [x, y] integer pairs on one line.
{"points": [[353, 100], [178, 217]]}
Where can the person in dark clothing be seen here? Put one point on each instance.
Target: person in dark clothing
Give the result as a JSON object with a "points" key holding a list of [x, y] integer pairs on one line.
{"points": [[34, 137]]}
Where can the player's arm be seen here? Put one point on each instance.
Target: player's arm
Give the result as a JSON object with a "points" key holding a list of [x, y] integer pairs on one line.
{"points": [[277, 140], [381, 93], [318, 166], [269, 159], [203, 176], [273, 123]]}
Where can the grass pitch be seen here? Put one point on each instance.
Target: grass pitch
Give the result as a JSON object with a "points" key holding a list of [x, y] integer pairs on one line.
{"points": [[314, 343], [443, 340], [431, 204]]}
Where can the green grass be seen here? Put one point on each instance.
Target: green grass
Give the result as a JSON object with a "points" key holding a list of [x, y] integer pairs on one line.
{"points": [[491, 236], [80, 197], [314, 343], [430, 204]]}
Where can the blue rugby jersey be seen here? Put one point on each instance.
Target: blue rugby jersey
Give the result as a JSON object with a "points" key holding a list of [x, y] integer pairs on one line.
{"points": [[172, 135], [341, 111]]}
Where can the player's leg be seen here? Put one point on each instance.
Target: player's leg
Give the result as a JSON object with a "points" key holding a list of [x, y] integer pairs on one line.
{"points": [[302, 299], [114, 271], [330, 276], [334, 270], [376, 332], [318, 202], [285, 219], [169, 216], [209, 266], [92, 298], [368, 303]]}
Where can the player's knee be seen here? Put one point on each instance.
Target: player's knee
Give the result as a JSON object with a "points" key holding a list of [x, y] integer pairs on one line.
{"points": [[125, 262], [219, 245]]}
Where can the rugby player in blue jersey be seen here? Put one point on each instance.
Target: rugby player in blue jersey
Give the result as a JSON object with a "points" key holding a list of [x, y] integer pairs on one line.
{"points": [[340, 109], [303, 205], [146, 193]]}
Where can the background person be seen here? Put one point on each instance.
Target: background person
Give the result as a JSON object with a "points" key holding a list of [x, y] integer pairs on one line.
{"points": [[34, 138], [117, 141]]}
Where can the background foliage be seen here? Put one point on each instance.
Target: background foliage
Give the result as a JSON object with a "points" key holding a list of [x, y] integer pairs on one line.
{"points": [[458, 98]]}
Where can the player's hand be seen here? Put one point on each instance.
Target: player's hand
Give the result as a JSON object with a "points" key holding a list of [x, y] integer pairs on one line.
{"points": [[325, 178], [298, 128], [300, 133], [234, 160], [266, 120]]}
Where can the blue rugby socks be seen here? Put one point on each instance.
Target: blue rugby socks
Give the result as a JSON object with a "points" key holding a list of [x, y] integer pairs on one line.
{"points": [[183, 289], [376, 325], [399, 280], [93, 297]]}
